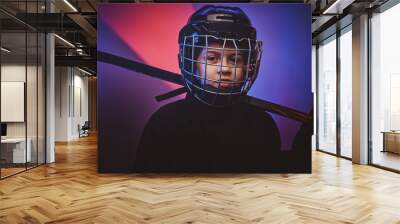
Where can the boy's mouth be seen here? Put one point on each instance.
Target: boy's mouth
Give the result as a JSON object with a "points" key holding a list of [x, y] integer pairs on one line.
{"points": [[227, 83]]}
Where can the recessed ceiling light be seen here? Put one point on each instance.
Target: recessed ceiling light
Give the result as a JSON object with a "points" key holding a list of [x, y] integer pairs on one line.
{"points": [[70, 5], [64, 40], [86, 72], [5, 50], [337, 7]]}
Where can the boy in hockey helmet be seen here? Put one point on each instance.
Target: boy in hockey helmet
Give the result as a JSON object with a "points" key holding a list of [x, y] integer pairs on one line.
{"points": [[211, 130], [219, 55]]}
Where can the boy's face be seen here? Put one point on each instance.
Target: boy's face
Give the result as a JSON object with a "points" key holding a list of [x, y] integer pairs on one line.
{"points": [[218, 66]]}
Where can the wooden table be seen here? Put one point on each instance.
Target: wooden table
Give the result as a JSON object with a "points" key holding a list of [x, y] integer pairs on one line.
{"points": [[391, 141]]}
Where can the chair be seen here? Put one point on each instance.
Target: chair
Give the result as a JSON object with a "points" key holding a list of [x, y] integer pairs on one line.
{"points": [[84, 130]]}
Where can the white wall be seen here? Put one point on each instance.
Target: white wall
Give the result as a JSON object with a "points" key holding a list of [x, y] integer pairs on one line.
{"points": [[81, 104], [12, 73], [71, 102]]}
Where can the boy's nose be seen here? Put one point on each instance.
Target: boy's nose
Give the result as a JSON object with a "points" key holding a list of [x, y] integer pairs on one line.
{"points": [[224, 67]]}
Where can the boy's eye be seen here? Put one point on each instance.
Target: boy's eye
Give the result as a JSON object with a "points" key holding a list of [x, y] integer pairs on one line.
{"points": [[212, 58], [238, 59]]}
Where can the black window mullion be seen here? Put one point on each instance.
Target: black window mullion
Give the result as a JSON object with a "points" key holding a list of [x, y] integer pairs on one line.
{"points": [[369, 90], [338, 76], [317, 97], [26, 86], [37, 89], [0, 93], [45, 87]]}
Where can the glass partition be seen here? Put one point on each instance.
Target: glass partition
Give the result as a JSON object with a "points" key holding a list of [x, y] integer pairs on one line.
{"points": [[31, 100], [385, 89], [346, 93], [14, 153], [22, 88], [41, 91], [327, 95]]}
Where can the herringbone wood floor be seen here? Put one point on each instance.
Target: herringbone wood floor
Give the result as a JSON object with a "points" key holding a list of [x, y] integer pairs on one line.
{"points": [[71, 191]]}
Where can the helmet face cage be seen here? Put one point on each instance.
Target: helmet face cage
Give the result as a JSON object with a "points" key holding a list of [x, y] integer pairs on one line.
{"points": [[240, 56]]}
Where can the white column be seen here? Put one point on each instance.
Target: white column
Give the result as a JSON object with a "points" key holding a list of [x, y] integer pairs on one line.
{"points": [[50, 92], [63, 99], [360, 90]]}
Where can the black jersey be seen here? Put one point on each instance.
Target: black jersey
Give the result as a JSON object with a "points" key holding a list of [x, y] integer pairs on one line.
{"points": [[189, 136]]}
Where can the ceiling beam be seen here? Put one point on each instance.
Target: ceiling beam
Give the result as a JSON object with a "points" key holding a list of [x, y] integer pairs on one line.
{"points": [[86, 26]]}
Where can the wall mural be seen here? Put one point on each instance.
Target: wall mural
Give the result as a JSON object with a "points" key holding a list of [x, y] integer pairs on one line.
{"points": [[204, 88]]}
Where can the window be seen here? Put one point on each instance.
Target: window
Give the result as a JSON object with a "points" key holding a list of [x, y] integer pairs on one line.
{"points": [[346, 92], [327, 95], [385, 88]]}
